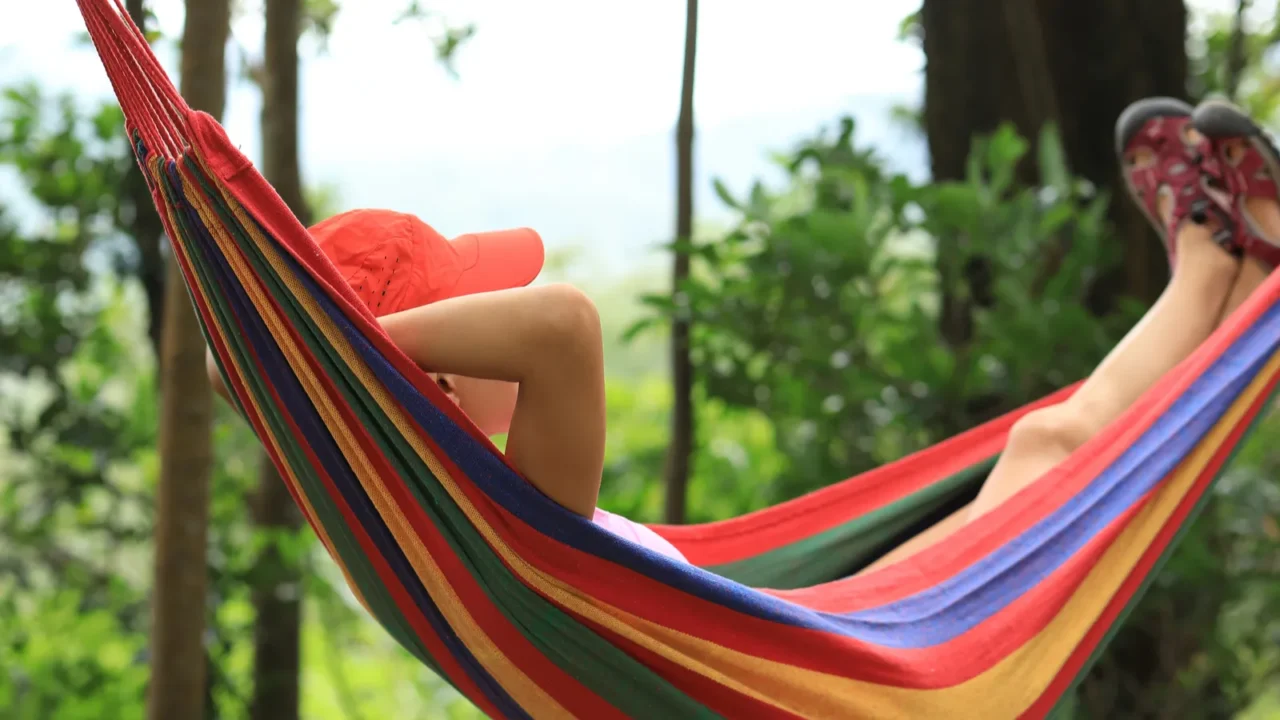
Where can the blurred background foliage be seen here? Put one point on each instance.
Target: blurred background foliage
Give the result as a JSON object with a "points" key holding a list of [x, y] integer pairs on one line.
{"points": [[848, 316]]}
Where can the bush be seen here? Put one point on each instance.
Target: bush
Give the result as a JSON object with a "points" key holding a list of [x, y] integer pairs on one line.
{"points": [[868, 316]]}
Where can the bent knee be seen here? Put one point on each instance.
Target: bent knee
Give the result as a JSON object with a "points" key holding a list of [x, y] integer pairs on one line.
{"points": [[1057, 429], [572, 322]]}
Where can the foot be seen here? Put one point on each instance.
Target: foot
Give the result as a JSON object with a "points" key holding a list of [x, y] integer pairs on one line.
{"points": [[1250, 167], [1162, 160]]}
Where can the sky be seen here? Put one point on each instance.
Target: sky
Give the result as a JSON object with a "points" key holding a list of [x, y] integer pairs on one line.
{"points": [[562, 112]]}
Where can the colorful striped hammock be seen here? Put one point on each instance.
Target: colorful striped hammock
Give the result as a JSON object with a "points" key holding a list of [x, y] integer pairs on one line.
{"points": [[532, 611]]}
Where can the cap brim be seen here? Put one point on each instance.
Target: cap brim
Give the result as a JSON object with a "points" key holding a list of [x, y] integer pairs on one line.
{"points": [[498, 260]]}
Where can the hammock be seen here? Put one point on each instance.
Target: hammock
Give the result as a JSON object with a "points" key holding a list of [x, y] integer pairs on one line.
{"points": [[531, 611]]}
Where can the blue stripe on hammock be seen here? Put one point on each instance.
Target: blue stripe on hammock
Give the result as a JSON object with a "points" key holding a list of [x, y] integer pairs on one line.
{"points": [[298, 406], [921, 620], [996, 581]]}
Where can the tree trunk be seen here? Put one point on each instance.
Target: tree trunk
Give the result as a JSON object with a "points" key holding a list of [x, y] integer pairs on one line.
{"points": [[1236, 51], [971, 87], [277, 602], [1078, 63], [1098, 56], [277, 594], [148, 232], [680, 451], [178, 672]]}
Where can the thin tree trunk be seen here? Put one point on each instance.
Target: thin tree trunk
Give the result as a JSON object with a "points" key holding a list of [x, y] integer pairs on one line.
{"points": [[148, 232], [680, 451], [1236, 55], [277, 595], [178, 672]]}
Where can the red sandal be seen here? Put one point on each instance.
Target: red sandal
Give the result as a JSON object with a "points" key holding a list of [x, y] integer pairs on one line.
{"points": [[1161, 125], [1250, 168]]}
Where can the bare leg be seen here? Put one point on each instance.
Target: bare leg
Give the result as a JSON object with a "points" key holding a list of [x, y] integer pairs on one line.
{"points": [[928, 538], [1207, 286], [1184, 316], [1252, 274], [1265, 213], [547, 339]]}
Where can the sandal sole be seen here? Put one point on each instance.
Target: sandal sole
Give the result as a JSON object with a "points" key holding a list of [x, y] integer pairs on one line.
{"points": [[1143, 111]]}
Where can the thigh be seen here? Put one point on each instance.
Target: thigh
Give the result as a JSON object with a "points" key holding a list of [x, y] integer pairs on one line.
{"points": [[558, 430], [931, 536]]}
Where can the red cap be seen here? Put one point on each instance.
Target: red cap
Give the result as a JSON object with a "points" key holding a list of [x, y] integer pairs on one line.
{"points": [[394, 261]]}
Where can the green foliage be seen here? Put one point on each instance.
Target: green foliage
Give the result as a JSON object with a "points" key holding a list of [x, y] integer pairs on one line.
{"points": [[1209, 67], [77, 413], [318, 17], [445, 37], [734, 467], [77, 452], [71, 164], [63, 661], [1233, 556], [824, 309], [867, 317], [847, 318]]}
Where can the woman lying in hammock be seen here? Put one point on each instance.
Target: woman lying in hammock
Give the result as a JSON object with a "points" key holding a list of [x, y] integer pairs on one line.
{"points": [[528, 361]]}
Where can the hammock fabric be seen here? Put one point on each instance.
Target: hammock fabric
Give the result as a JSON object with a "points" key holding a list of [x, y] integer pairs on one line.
{"points": [[531, 611]]}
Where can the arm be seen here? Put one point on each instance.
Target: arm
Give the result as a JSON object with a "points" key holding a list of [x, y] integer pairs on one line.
{"points": [[548, 340], [215, 377]]}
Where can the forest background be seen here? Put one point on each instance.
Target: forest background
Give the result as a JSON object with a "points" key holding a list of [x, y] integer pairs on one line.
{"points": [[894, 221]]}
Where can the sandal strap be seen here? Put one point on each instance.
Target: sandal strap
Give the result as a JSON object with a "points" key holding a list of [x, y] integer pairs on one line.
{"points": [[1245, 176], [1249, 175], [1186, 168]]}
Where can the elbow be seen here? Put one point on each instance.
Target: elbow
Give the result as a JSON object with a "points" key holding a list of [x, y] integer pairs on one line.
{"points": [[211, 367], [215, 377]]}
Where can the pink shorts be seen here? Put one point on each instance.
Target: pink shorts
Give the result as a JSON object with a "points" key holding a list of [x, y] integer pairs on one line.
{"points": [[636, 533]]}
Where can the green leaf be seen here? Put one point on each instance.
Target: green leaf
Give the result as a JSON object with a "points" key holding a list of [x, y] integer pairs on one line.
{"points": [[758, 203], [1054, 172], [638, 327], [1055, 218], [658, 301], [910, 26], [955, 206], [726, 197], [1006, 147]]}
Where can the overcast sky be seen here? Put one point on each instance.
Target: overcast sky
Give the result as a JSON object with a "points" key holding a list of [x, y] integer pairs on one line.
{"points": [[563, 111]]}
